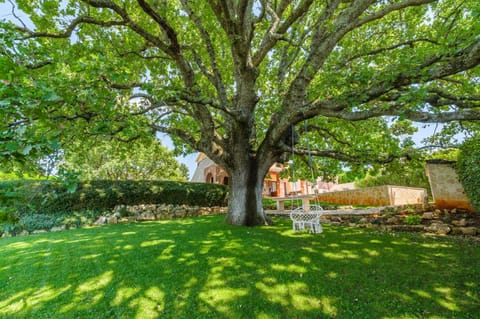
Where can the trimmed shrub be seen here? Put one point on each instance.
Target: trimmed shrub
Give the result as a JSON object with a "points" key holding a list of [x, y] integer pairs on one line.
{"points": [[19, 195], [468, 169], [52, 197], [12, 192]]}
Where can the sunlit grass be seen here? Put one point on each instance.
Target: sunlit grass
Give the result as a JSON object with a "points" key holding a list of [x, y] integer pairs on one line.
{"points": [[202, 268]]}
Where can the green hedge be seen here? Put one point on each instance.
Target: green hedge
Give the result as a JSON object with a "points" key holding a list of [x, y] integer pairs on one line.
{"points": [[468, 169], [51, 197]]}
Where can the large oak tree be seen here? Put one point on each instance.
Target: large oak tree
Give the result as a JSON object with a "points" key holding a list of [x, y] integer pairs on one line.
{"points": [[245, 82]]}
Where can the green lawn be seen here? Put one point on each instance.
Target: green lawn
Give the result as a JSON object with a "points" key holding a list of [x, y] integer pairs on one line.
{"points": [[202, 268]]}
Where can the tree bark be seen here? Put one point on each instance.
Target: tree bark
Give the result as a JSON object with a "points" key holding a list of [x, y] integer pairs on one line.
{"points": [[245, 203]]}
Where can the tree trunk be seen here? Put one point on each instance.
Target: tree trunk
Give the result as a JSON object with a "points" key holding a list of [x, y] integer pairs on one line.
{"points": [[245, 206]]}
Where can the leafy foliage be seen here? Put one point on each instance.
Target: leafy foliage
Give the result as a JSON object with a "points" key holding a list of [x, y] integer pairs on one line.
{"points": [[7, 215], [468, 169], [145, 159], [31, 222], [23, 99], [49, 197], [14, 193], [400, 172], [73, 219], [413, 219]]}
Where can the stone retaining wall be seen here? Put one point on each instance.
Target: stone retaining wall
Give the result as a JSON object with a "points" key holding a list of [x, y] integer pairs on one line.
{"points": [[431, 220], [123, 213]]}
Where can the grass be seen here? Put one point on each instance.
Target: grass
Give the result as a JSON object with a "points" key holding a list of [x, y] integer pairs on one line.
{"points": [[202, 268]]}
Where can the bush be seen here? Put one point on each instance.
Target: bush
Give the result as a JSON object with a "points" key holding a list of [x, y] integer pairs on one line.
{"points": [[12, 192], [269, 204], [31, 222], [10, 229], [7, 215], [413, 219], [34, 221], [410, 173], [468, 169], [52, 197]]}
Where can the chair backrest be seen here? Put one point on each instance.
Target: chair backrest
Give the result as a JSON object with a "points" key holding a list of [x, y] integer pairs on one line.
{"points": [[304, 216]]}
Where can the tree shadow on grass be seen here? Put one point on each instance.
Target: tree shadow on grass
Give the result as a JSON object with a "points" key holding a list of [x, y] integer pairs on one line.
{"points": [[202, 268]]}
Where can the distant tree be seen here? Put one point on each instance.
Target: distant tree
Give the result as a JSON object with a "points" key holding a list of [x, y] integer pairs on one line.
{"points": [[450, 154], [401, 172], [407, 172], [116, 160]]}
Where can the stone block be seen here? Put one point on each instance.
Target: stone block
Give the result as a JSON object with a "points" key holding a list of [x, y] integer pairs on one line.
{"points": [[102, 220], [58, 228], [470, 231], [39, 231], [438, 228], [393, 220], [146, 216], [408, 228], [427, 215], [112, 220], [456, 231], [460, 223]]}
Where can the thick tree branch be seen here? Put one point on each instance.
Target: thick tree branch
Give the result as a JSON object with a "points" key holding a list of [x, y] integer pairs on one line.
{"points": [[327, 134], [456, 99], [70, 28], [389, 9], [224, 14], [400, 110], [121, 86], [127, 21], [339, 155], [324, 42], [433, 68], [139, 54], [169, 31], [38, 65], [216, 79], [352, 158], [147, 104], [278, 29], [409, 43]]}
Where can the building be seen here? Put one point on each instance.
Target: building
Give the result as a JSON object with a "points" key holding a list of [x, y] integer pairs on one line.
{"points": [[273, 186]]}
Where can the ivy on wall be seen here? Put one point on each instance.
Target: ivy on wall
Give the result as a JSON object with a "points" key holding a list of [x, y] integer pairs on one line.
{"points": [[468, 169]]}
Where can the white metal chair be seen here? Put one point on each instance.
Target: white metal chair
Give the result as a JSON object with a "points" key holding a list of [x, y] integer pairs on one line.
{"points": [[307, 220]]}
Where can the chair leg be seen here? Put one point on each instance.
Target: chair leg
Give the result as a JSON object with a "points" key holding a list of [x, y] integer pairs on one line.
{"points": [[296, 226], [317, 228]]}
